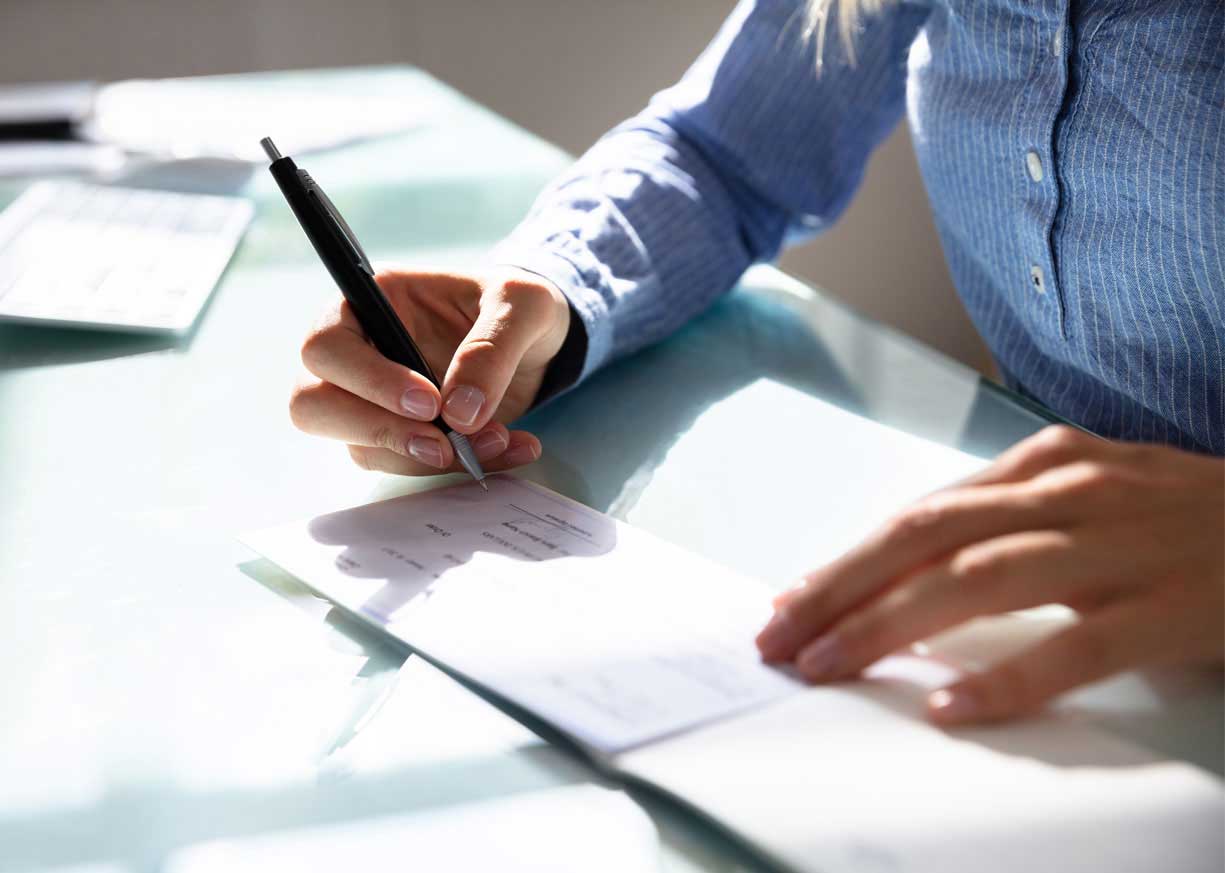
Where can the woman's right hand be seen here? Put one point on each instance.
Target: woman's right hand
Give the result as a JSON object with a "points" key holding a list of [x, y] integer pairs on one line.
{"points": [[492, 335]]}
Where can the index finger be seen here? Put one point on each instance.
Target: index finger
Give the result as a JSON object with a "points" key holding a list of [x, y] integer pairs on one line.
{"points": [[919, 535], [337, 351]]}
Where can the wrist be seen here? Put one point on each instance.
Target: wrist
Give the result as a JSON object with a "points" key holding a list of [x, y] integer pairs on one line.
{"points": [[573, 270], [566, 367]]}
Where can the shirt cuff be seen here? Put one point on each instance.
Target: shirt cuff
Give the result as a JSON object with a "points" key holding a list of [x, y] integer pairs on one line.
{"points": [[589, 349]]}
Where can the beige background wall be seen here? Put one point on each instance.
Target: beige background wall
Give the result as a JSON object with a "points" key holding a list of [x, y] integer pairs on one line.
{"points": [[565, 69]]}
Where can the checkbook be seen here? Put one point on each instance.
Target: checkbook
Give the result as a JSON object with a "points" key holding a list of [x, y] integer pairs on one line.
{"points": [[111, 258], [639, 656]]}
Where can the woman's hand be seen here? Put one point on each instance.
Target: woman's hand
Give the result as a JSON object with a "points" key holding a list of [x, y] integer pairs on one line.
{"points": [[1132, 537], [493, 336]]}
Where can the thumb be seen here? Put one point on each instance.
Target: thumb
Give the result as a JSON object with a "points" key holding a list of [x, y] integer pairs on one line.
{"points": [[514, 314]]}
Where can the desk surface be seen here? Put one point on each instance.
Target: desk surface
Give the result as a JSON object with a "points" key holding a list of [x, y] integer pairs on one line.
{"points": [[162, 686]]}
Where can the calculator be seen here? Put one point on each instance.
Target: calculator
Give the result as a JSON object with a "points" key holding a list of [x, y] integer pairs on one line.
{"points": [[96, 256]]}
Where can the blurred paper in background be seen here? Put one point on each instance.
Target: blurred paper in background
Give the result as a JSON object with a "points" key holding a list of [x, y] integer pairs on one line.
{"points": [[206, 117], [56, 157]]}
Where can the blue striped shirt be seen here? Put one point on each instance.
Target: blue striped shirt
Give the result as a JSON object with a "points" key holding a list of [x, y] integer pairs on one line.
{"points": [[1073, 153]]}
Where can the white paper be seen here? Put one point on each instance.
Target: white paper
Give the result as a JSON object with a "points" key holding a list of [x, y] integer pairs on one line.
{"points": [[844, 475], [200, 118], [558, 830], [852, 777], [602, 630]]}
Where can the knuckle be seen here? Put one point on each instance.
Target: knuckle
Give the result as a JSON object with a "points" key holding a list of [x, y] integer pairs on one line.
{"points": [[313, 349], [975, 566], [300, 402], [1089, 479], [524, 293], [1062, 436], [1055, 442], [382, 436], [479, 359], [919, 520], [477, 349]]}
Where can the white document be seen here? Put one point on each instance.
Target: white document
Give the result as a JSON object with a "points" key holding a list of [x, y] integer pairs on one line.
{"points": [[558, 830], [602, 630], [852, 778], [644, 654]]}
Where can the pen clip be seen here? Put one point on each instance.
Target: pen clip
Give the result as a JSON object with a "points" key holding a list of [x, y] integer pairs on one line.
{"points": [[343, 226]]}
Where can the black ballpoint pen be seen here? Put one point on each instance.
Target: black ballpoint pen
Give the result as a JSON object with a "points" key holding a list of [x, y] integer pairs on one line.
{"points": [[342, 254]]}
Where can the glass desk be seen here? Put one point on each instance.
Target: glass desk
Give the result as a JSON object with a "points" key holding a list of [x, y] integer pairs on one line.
{"points": [[161, 686]]}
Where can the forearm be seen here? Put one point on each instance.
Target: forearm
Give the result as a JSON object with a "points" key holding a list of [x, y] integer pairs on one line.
{"points": [[641, 234], [749, 149]]}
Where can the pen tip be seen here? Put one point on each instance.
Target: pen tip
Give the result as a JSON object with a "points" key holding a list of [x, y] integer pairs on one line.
{"points": [[270, 148], [481, 482]]}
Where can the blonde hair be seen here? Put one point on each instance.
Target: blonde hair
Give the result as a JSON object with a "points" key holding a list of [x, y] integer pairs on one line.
{"points": [[850, 15]]}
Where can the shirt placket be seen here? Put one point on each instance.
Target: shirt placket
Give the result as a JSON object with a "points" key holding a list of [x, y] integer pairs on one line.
{"points": [[1035, 161]]}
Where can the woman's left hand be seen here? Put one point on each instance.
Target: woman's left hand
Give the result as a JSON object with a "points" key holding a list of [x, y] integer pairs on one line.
{"points": [[1132, 537]]}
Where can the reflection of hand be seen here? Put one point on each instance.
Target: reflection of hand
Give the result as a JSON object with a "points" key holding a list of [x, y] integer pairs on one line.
{"points": [[492, 336], [1129, 536]]}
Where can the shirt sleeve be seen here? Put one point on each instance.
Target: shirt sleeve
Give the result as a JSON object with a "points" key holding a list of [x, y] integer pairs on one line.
{"points": [[753, 147]]}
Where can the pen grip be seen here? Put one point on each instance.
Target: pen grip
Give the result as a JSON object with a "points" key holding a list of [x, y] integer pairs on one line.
{"points": [[351, 273], [381, 324]]}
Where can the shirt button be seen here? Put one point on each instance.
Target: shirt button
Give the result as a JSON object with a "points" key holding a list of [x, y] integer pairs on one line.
{"points": [[1035, 273], [1034, 164]]}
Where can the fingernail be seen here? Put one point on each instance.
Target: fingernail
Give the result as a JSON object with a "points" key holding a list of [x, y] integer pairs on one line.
{"points": [[426, 450], [776, 637], [419, 404], [524, 453], [464, 404], [489, 444], [822, 660], [951, 705]]}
